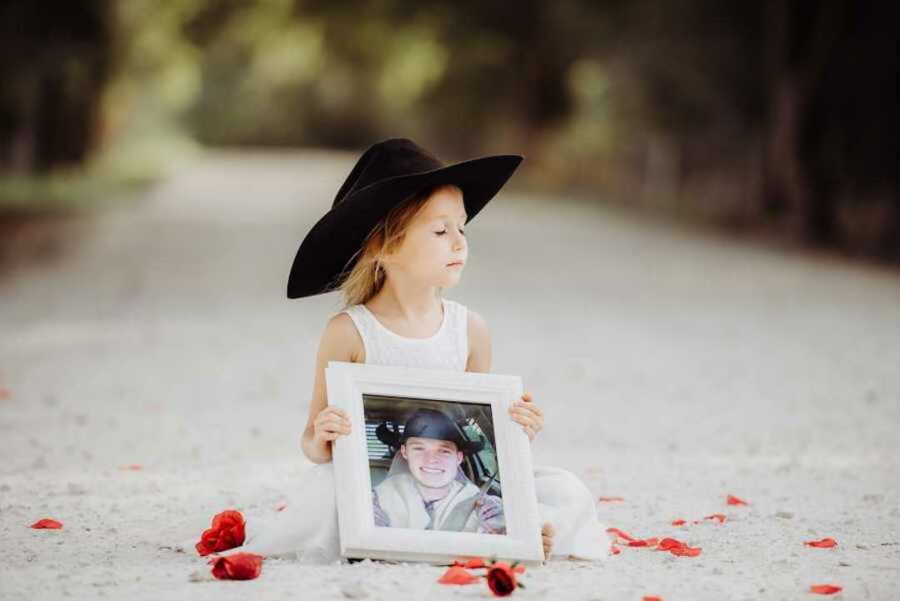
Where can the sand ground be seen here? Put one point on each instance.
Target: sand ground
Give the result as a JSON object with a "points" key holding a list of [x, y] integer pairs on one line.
{"points": [[674, 368]]}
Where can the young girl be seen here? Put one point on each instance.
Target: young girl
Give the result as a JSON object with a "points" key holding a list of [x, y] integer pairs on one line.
{"points": [[392, 242]]}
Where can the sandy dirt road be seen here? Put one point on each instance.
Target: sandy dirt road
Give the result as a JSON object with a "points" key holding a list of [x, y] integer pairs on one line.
{"points": [[674, 368]]}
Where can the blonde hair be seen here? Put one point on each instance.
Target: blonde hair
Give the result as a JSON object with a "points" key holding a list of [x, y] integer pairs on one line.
{"points": [[367, 276]]}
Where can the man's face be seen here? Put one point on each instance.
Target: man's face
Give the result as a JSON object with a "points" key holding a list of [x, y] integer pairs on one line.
{"points": [[432, 462]]}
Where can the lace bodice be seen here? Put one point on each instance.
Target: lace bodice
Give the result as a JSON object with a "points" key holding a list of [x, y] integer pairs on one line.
{"points": [[448, 348]]}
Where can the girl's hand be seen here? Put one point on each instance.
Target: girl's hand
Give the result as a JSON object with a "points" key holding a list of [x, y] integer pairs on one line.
{"points": [[529, 415], [330, 423]]}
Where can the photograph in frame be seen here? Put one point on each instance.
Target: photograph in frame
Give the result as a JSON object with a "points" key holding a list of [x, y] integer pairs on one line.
{"points": [[433, 468], [433, 465]]}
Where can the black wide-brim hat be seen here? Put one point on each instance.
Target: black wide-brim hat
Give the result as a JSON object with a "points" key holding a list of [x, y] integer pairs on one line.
{"points": [[386, 174], [428, 423]]}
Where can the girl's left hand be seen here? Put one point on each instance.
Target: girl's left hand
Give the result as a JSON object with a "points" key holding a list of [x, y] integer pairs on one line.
{"points": [[529, 415]]}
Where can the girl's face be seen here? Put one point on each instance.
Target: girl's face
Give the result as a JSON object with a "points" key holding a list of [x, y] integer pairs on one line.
{"points": [[432, 461], [434, 249]]}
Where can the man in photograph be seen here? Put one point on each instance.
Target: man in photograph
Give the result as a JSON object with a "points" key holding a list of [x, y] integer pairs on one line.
{"points": [[426, 488]]}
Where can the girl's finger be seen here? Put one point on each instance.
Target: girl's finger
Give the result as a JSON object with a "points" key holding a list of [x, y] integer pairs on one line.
{"points": [[532, 409], [338, 413], [525, 420], [522, 411]]}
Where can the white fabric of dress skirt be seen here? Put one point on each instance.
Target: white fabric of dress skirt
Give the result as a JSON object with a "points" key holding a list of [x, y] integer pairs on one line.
{"points": [[307, 528]]}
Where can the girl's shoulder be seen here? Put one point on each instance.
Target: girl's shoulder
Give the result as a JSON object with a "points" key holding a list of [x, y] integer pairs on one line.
{"points": [[343, 338]]}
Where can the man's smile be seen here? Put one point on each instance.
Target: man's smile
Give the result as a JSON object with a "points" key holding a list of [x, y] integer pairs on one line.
{"points": [[431, 470]]}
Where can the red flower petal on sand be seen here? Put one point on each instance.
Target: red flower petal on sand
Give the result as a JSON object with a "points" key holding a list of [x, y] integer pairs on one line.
{"points": [[47, 523], [685, 551], [4, 393], [470, 562], [733, 500], [646, 598], [647, 542], [280, 506], [676, 547], [131, 466], [457, 574], [669, 543], [614, 549], [227, 532], [825, 589], [716, 516], [678, 522], [610, 499], [240, 566], [621, 534], [825, 543]]}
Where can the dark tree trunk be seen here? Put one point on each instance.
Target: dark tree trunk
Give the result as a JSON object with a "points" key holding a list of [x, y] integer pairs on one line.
{"points": [[802, 37], [55, 60]]}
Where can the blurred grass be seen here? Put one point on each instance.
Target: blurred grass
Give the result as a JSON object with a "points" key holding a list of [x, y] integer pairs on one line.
{"points": [[118, 173]]}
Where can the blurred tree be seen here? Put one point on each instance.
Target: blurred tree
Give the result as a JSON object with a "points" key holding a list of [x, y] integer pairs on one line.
{"points": [[55, 61], [780, 111], [803, 89]]}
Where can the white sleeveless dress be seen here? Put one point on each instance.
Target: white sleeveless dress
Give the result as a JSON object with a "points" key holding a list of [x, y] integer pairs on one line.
{"points": [[307, 528]]}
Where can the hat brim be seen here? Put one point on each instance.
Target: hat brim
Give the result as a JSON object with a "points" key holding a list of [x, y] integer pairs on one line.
{"points": [[393, 439], [324, 256]]}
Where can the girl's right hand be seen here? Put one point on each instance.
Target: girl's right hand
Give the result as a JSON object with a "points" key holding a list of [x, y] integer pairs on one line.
{"points": [[330, 423]]}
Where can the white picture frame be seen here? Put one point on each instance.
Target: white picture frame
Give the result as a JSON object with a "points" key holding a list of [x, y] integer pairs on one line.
{"points": [[346, 385]]}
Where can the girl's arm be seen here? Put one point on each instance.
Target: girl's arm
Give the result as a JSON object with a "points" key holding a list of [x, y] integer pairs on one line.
{"points": [[479, 344], [339, 342]]}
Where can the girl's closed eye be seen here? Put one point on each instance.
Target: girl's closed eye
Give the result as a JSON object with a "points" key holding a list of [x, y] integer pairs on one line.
{"points": [[444, 231]]}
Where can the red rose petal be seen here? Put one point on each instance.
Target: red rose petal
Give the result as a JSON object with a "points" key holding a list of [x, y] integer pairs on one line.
{"points": [[716, 516], [825, 543], [647, 542], [240, 566], [47, 523], [621, 534], [614, 549], [457, 575], [825, 589], [669, 543], [132, 466], [610, 499], [733, 500], [470, 562], [678, 522], [646, 598], [685, 551], [676, 547]]}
